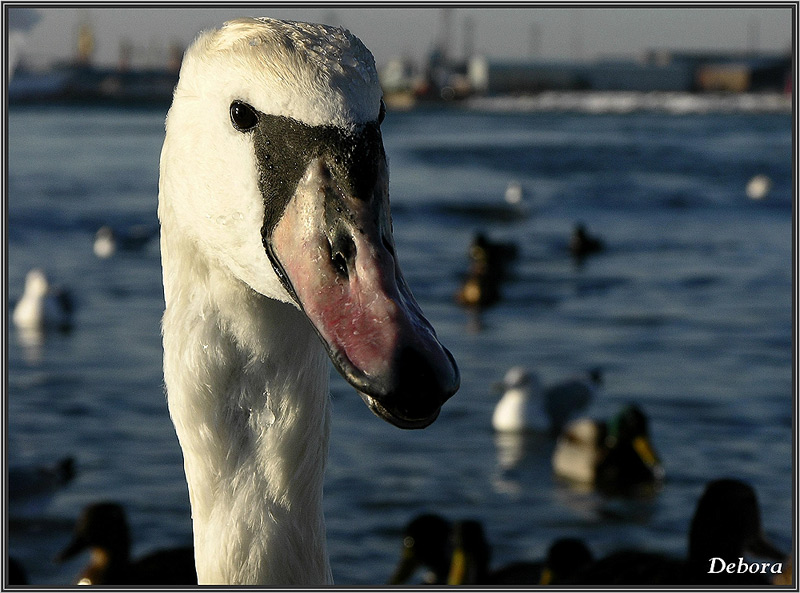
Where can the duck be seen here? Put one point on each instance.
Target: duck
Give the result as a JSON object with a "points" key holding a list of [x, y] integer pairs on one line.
{"points": [[108, 241], [43, 306], [32, 487], [615, 457], [16, 574], [582, 244], [471, 560], [726, 526], [497, 255], [426, 544], [513, 208], [278, 259], [489, 263], [479, 290], [528, 406], [102, 528]]}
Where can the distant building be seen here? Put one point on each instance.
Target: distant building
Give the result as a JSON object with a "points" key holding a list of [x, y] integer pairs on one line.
{"points": [[659, 71], [505, 77]]}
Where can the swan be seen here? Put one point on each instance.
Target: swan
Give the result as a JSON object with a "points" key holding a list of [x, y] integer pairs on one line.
{"points": [[42, 306], [277, 255]]}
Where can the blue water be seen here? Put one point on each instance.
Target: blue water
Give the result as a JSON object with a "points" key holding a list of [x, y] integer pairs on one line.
{"points": [[689, 312]]}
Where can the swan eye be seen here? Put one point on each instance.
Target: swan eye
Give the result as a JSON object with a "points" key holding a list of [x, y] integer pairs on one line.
{"points": [[382, 113], [243, 117]]}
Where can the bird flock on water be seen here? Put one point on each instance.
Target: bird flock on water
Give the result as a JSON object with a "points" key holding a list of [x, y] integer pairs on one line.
{"points": [[302, 155]]}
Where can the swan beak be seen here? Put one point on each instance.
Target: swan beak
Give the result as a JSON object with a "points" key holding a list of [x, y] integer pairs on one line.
{"points": [[332, 248]]}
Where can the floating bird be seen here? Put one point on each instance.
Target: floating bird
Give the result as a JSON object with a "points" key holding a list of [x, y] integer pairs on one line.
{"points": [[478, 291], [527, 406], [726, 526], [497, 255], [103, 529], [758, 187], [426, 544], [107, 241], [582, 244], [277, 254], [42, 305], [615, 457], [515, 194], [513, 207], [489, 263], [472, 559], [31, 488]]}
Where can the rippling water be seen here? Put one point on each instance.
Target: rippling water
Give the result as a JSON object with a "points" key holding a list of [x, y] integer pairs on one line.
{"points": [[689, 312]]}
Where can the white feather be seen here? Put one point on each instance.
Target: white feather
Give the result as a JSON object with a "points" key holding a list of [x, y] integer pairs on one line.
{"points": [[246, 375]]}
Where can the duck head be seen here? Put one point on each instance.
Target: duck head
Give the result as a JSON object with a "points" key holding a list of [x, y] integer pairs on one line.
{"points": [[426, 543], [727, 524], [283, 180]]}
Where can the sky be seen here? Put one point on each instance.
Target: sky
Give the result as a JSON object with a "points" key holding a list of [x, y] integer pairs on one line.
{"points": [[565, 32]]}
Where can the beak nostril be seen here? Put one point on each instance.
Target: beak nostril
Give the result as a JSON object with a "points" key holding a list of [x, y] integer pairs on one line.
{"points": [[343, 252]]}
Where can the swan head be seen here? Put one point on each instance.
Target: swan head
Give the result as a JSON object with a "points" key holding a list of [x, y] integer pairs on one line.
{"points": [[273, 166]]}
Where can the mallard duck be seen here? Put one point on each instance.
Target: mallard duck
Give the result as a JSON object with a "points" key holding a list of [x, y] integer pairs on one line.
{"points": [[426, 544], [725, 528], [471, 560], [102, 528], [488, 268], [614, 457]]}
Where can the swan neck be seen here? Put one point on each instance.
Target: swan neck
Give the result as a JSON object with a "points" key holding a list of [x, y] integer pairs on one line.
{"points": [[248, 393]]}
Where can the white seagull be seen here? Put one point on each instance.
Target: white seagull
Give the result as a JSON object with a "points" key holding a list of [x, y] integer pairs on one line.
{"points": [[42, 306], [528, 406]]}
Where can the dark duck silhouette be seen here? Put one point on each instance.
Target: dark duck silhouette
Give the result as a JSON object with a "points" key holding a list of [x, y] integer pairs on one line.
{"points": [[426, 544], [103, 529], [489, 263], [16, 574], [471, 560], [615, 457], [32, 487], [582, 244], [726, 526]]}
